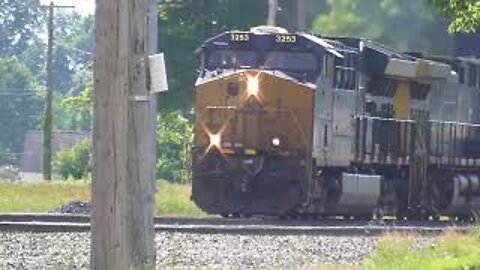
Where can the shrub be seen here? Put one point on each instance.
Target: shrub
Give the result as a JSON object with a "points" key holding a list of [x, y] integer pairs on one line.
{"points": [[174, 138], [74, 162], [6, 156]]}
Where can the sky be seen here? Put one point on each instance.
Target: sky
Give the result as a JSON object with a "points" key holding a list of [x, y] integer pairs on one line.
{"points": [[84, 7]]}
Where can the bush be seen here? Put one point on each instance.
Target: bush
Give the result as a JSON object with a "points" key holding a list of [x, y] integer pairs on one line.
{"points": [[174, 138], [6, 156], [74, 162]]}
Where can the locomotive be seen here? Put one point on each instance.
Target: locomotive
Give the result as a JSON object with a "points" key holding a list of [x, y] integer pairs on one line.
{"points": [[293, 124]]}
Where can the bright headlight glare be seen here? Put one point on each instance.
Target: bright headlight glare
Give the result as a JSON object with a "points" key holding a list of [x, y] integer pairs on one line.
{"points": [[276, 141], [215, 139], [253, 86]]}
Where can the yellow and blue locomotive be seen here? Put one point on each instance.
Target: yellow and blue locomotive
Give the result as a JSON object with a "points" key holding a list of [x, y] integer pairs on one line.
{"points": [[296, 124]]}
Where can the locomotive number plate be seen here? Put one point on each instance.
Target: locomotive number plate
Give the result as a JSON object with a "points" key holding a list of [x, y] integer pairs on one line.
{"points": [[239, 37], [286, 38]]}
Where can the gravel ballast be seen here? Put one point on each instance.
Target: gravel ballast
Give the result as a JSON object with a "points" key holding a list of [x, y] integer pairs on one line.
{"points": [[190, 251]]}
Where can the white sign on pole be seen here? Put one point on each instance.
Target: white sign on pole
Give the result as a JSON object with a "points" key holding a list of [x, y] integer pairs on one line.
{"points": [[158, 73]]}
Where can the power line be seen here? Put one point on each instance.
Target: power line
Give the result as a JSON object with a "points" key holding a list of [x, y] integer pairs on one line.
{"points": [[18, 94]]}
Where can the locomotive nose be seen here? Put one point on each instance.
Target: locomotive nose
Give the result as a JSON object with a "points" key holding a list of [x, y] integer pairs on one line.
{"points": [[253, 140], [251, 112]]}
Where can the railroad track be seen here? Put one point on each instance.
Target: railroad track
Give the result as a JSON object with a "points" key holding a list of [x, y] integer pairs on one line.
{"points": [[213, 225]]}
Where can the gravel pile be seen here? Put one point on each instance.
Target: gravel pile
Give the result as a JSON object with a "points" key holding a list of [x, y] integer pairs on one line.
{"points": [[190, 251], [75, 207]]}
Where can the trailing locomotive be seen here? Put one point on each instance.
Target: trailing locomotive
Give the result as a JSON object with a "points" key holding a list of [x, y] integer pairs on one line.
{"points": [[295, 124]]}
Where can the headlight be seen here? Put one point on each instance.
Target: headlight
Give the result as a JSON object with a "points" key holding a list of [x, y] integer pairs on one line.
{"points": [[253, 86], [215, 140], [276, 142]]}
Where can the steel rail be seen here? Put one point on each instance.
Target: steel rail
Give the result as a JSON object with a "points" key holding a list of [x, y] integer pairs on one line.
{"points": [[81, 223]]}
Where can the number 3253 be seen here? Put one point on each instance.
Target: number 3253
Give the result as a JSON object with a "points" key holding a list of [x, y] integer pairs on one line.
{"points": [[239, 37], [285, 38]]}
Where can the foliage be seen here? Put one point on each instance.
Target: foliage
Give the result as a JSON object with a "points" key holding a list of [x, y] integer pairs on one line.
{"points": [[42, 197], [74, 162], [73, 58], [6, 156], [174, 138], [20, 103], [452, 251], [75, 112], [402, 24], [184, 25], [19, 24], [465, 14]]}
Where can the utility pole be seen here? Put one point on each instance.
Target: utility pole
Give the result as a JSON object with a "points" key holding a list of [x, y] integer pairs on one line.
{"points": [[301, 15], [272, 12], [152, 49], [122, 220], [47, 117]]}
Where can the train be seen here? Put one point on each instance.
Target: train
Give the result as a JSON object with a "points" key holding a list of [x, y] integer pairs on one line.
{"points": [[299, 125]]}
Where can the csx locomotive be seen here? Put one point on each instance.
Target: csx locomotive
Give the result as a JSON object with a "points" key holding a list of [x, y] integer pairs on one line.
{"points": [[296, 124]]}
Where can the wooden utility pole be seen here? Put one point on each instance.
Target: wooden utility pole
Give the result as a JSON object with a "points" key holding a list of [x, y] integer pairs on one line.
{"points": [[301, 15], [150, 208], [122, 220], [272, 12], [47, 117]]}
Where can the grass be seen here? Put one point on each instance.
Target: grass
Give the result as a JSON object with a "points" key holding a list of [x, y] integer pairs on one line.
{"points": [[42, 197], [453, 250], [174, 200]]}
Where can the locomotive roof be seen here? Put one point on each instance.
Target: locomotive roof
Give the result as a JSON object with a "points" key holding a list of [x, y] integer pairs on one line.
{"points": [[263, 40], [376, 57]]}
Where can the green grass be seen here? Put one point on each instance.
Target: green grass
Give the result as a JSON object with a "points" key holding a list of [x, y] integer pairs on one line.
{"points": [[174, 200], [42, 197], [453, 250]]}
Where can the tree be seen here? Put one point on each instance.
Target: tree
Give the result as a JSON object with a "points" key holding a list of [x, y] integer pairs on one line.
{"points": [[19, 23], [401, 24], [185, 25], [20, 103], [75, 112], [73, 52], [174, 139], [465, 14]]}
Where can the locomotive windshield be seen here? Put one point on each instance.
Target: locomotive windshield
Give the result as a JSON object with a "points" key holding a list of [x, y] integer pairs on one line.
{"points": [[274, 60], [290, 61], [231, 59], [299, 56]]}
